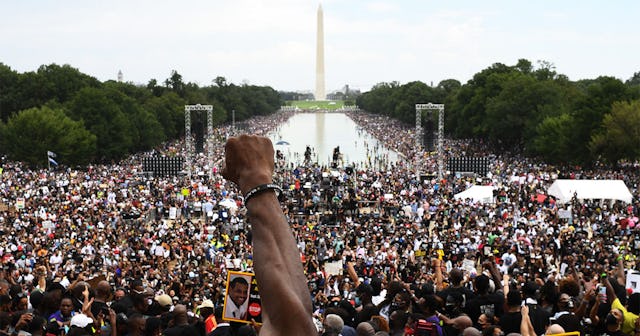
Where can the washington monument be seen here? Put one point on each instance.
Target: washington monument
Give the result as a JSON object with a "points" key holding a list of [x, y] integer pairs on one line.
{"points": [[320, 92]]}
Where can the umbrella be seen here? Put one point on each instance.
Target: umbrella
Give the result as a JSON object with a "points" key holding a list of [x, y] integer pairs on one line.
{"points": [[283, 143]]}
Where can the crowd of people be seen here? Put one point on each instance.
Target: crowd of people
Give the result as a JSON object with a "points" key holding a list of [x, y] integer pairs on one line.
{"points": [[109, 250]]}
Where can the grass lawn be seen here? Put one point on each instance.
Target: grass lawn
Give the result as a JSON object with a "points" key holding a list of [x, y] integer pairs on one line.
{"points": [[317, 104]]}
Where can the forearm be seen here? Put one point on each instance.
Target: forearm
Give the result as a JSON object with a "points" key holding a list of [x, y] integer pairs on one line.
{"points": [[495, 274], [582, 308], [353, 275], [524, 326], [278, 269], [622, 278], [594, 312]]}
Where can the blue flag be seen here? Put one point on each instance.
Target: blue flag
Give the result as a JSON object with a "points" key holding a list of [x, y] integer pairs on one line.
{"points": [[53, 162]]}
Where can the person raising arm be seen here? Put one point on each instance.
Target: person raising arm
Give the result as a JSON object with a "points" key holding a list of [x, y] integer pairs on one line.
{"points": [[286, 302]]}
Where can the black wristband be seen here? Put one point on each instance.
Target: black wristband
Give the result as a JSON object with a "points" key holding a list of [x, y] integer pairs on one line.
{"points": [[261, 188]]}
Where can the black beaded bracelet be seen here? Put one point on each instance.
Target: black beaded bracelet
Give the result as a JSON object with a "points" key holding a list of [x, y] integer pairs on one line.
{"points": [[264, 187]]}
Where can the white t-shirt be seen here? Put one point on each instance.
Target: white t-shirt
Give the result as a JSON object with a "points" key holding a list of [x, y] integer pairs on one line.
{"points": [[234, 312]]}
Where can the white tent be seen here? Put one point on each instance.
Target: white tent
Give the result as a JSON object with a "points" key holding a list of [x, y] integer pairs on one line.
{"points": [[481, 194], [564, 190]]}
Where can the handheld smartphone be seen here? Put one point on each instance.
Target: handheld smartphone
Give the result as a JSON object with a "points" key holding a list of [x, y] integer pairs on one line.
{"points": [[602, 293], [602, 290]]}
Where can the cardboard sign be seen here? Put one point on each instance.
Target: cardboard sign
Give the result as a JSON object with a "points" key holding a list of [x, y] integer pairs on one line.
{"points": [[242, 298], [333, 268]]}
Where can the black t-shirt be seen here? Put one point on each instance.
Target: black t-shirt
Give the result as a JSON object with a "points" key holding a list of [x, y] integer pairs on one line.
{"points": [[569, 322], [224, 330], [612, 333], [510, 322], [539, 318], [366, 313], [484, 304], [466, 293], [181, 330]]}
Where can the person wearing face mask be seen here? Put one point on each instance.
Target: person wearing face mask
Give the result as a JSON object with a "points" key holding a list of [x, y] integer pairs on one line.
{"points": [[456, 278], [393, 288], [141, 301], [364, 306], [402, 302], [565, 316], [613, 323], [629, 313], [454, 321]]}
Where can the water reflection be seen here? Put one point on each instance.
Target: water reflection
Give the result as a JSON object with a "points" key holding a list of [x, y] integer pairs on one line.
{"points": [[325, 131]]}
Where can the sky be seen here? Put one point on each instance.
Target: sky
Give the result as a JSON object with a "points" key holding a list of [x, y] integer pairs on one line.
{"points": [[273, 43]]}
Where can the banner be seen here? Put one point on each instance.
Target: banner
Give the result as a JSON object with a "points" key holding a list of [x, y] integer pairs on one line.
{"points": [[242, 299]]}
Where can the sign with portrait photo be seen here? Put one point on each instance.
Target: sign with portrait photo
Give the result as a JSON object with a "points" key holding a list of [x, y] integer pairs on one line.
{"points": [[242, 299]]}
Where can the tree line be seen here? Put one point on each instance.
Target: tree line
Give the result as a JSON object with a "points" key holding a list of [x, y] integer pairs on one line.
{"points": [[519, 108], [530, 110], [59, 109]]}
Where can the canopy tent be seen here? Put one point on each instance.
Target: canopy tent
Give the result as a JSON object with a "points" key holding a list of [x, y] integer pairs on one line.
{"points": [[564, 190], [481, 194]]}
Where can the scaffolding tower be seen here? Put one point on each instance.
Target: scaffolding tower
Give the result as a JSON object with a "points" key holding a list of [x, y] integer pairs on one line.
{"points": [[419, 137], [189, 148]]}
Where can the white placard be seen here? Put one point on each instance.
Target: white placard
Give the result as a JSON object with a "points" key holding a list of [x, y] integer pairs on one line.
{"points": [[564, 213], [633, 281], [333, 268]]}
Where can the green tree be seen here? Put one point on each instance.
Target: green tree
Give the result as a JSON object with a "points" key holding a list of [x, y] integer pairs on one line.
{"points": [[553, 142], [28, 136], [597, 97], [169, 111], [380, 99], [155, 89], [620, 135], [145, 130], [514, 114], [634, 80], [62, 82], [406, 98], [8, 92], [104, 118], [175, 83]]}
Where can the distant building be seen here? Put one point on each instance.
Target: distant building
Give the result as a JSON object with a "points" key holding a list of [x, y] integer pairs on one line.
{"points": [[346, 93], [120, 76]]}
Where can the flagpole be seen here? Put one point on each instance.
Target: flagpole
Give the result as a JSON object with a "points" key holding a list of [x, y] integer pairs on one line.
{"points": [[48, 162]]}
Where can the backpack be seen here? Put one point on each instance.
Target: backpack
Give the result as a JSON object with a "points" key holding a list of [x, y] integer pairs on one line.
{"points": [[427, 328]]}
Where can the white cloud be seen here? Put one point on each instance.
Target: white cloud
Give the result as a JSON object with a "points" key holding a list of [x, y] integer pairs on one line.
{"points": [[273, 43]]}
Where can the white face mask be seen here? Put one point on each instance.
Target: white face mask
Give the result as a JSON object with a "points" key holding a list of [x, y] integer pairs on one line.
{"points": [[149, 301]]}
